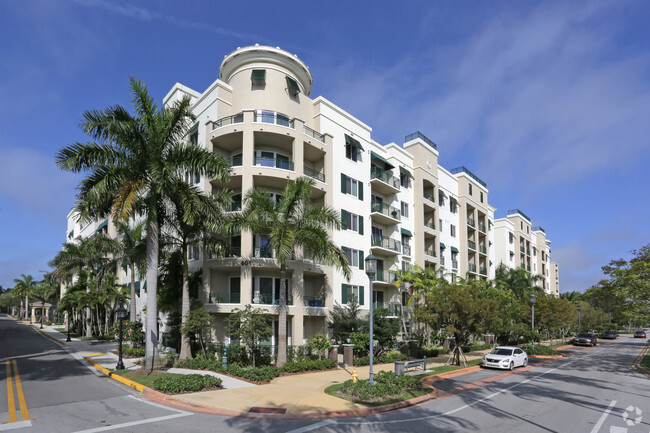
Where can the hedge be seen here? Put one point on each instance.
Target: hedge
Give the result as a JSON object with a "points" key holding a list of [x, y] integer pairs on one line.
{"points": [[184, 383]]}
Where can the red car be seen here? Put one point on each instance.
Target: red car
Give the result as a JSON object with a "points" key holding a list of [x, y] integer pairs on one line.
{"points": [[639, 334]]}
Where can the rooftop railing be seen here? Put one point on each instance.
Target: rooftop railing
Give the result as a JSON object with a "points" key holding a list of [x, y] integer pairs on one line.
{"points": [[421, 136], [463, 169]]}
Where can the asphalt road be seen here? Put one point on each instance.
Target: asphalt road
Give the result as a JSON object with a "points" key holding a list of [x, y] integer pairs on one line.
{"points": [[590, 391]]}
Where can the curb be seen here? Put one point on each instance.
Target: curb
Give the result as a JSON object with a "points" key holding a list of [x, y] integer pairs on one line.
{"points": [[50, 337], [135, 385]]}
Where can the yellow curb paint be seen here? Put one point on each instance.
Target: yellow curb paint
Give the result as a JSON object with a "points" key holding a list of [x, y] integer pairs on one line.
{"points": [[135, 385], [52, 338], [24, 412], [10, 395]]}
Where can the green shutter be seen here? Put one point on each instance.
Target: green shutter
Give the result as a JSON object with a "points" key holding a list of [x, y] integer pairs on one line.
{"points": [[361, 260], [293, 86], [344, 217], [344, 293], [361, 295], [360, 224], [360, 187], [344, 179]]}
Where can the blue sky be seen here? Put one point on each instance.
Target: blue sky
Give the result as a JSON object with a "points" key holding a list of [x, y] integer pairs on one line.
{"points": [[548, 102]]}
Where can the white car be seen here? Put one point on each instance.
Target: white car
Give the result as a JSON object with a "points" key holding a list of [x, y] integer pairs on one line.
{"points": [[505, 357]]}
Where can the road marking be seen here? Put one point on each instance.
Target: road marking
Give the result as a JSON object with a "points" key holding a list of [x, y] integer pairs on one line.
{"points": [[602, 417], [133, 423], [15, 425], [312, 427], [13, 422], [10, 395], [21, 396]]}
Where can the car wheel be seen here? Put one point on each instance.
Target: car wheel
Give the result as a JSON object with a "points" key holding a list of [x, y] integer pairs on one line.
{"points": [[525, 363], [512, 366]]}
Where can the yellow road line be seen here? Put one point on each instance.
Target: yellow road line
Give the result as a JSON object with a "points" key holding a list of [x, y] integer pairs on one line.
{"points": [[10, 394], [21, 397], [94, 354]]}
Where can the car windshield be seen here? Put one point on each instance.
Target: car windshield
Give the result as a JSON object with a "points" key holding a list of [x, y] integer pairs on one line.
{"points": [[500, 351], [584, 335]]}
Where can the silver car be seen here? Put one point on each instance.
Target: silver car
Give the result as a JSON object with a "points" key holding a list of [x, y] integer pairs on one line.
{"points": [[505, 357]]}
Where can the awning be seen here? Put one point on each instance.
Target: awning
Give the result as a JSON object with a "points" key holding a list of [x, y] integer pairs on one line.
{"points": [[442, 193], [442, 246], [193, 129], [258, 75], [512, 253], [352, 142], [453, 200], [101, 226], [405, 172], [291, 83], [454, 250], [387, 164], [407, 233], [490, 262]]}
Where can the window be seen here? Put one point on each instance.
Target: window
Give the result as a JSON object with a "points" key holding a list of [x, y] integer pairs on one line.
{"points": [[235, 290], [236, 160], [353, 148], [348, 291], [470, 189], [452, 230], [481, 197], [267, 158], [192, 252], [405, 265], [351, 186], [527, 229], [521, 225], [235, 204], [192, 177], [404, 180], [258, 77], [267, 291], [405, 209], [352, 221], [511, 237], [440, 224], [441, 197], [355, 257], [453, 205], [292, 87]]}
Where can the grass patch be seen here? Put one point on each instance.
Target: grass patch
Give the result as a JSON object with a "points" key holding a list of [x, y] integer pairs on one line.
{"points": [[645, 363]]}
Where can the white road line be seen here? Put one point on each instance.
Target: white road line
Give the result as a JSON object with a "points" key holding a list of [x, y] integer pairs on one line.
{"points": [[603, 416], [465, 406], [313, 426], [173, 409], [133, 423], [13, 425]]}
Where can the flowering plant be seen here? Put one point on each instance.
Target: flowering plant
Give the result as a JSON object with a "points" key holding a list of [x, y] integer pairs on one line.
{"points": [[319, 343]]}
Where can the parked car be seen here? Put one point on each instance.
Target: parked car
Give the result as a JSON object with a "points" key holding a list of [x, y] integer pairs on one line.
{"points": [[505, 357], [586, 339], [610, 335], [639, 334]]}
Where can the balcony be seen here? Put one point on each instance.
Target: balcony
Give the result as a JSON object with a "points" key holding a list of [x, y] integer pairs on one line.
{"points": [[481, 227], [308, 171], [274, 118], [471, 245], [382, 181], [471, 267], [224, 298], [233, 252], [482, 270], [270, 299], [430, 225], [386, 277], [406, 250], [228, 120], [471, 222], [430, 252], [236, 161], [263, 253], [482, 249], [454, 264], [313, 134], [386, 244], [284, 164], [385, 214], [313, 301]]}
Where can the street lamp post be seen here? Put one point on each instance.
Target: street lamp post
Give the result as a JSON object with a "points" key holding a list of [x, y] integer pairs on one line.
{"points": [[533, 298], [579, 308], [371, 271], [120, 313]]}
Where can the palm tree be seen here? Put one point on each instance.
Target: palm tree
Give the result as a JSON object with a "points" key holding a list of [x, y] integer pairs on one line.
{"points": [[293, 222], [192, 223], [134, 162], [521, 282], [24, 287], [44, 291], [132, 251]]}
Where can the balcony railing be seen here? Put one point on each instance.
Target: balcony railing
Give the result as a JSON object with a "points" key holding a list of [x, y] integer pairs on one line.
{"points": [[224, 298], [471, 267], [228, 120], [482, 270], [233, 252], [308, 171], [284, 164], [386, 276], [471, 222], [482, 249], [269, 299], [406, 250], [385, 209], [471, 244], [430, 252], [263, 253], [313, 134], [522, 249], [378, 173], [481, 227], [429, 197], [313, 301], [430, 224], [385, 242], [236, 161], [454, 264], [275, 118]]}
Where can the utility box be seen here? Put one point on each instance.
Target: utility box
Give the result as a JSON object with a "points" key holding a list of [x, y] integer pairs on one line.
{"points": [[399, 368]]}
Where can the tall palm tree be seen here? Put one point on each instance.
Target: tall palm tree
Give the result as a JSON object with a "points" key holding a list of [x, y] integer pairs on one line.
{"points": [[132, 249], [293, 222], [133, 162], [24, 287], [521, 282], [44, 291], [193, 222]]}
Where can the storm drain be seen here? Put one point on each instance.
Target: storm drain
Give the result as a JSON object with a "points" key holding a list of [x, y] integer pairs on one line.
{"points": [[256, 409]]}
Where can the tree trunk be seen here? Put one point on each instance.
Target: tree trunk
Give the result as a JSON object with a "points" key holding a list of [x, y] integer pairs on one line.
{"points": [[89, 322], [186, 350], [152, 360], [132, 303], [282, 321], [27, 312]]}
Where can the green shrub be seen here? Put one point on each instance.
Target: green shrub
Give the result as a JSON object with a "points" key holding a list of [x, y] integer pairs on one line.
{"points": [[309, 365], [133, 351], [258, 374], [359, 361], [387, 385], [184, 383], [392, 356], [538, 350]]}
